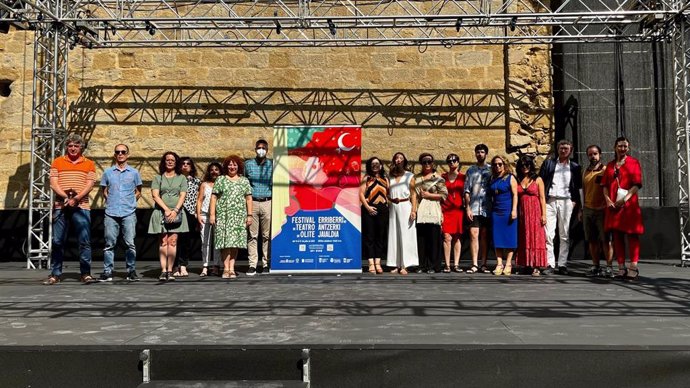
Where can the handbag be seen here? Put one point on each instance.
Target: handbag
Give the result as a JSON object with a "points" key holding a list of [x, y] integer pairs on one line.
{"points": [[176, 220], [620, 193]]}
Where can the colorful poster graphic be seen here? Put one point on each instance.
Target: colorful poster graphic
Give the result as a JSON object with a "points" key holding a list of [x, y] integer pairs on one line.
{"points": [[316, 213]]}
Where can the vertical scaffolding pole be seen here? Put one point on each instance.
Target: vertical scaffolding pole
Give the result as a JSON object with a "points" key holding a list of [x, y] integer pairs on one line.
{"points": [[48, 127], [681, 91]]}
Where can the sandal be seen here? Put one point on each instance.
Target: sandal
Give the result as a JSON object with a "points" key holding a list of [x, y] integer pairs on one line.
{"points": [[507, 270], [498, 270], [184, 273], [233, 275], [484, 269], [457, 269], [536, 272], [204, 272], [473, 269], [636, 270], [177, 274], [403, 271], [226, 274], [622, 274], [372, 268], [395, 270], [446, 269], [378, 268]]}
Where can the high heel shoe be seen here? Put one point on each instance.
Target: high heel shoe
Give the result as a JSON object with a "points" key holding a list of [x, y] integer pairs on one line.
{"points": [[635, 270], [507, 270], [498, 270], [372, 268]]}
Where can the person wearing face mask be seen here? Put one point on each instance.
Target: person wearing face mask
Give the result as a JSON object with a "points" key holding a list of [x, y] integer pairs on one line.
{"points": [[259, 171]]}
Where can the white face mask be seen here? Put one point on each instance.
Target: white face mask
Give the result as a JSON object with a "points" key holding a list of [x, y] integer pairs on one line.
{"points": [[261, 152]]}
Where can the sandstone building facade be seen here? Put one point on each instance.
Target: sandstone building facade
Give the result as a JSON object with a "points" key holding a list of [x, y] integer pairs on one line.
{"points": [[208, 103]]}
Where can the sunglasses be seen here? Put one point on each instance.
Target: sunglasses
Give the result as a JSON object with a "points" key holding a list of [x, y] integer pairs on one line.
{"points": [[187, 163], [427, 162], [452, 160], [120, 152], [497, 164]]}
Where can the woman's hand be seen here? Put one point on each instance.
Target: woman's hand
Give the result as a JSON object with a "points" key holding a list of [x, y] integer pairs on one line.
{"points": [[620, 203], [513, 215], [609, 202], [469, 214], [543, 219], [171, 215], [413, 215], [212, 219], [371, 210]]}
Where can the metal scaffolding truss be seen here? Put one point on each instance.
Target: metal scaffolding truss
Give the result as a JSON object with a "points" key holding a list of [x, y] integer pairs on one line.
{"points": [[262, 23], [251, 24]]}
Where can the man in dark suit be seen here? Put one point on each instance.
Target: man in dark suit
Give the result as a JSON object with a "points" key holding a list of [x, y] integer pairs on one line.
{"points": [[563, 188]]}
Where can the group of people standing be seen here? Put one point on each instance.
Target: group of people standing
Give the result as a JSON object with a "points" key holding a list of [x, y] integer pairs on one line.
{"points": [[422, 217], [229, 208], [413, 221]]}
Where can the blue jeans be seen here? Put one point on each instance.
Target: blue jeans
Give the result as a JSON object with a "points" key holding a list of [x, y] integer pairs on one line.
{"points": [[80, 219], [113, 226]]}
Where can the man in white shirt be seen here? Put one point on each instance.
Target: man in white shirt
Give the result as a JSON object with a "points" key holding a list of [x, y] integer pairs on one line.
{"points": [[562, 185]]}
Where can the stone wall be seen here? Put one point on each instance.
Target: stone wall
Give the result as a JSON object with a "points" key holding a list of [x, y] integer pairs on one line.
{"points": [[208, 103]]}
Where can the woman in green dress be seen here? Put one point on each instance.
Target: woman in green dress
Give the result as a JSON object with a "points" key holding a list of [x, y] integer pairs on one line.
{"points": [[231, 212], [168, 190]]}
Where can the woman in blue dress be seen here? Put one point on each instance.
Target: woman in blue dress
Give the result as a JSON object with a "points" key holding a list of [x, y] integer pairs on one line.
{"points": [[504, 196]]}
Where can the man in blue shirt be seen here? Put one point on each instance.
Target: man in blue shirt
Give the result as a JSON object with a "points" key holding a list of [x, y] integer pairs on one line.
{"points": [[478, 207], [259, 171], [121, 188]]}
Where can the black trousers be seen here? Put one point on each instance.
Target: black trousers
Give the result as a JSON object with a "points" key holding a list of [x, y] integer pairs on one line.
{"points": [[375, 232], [185, 241], [429, 246]]}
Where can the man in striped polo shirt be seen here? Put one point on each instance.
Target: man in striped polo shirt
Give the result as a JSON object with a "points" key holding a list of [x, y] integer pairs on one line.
{"points": [[71, 178]]}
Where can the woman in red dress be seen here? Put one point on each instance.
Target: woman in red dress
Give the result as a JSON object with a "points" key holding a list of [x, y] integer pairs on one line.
{"points": [[622, 179], [453, 213], [531, 217]]}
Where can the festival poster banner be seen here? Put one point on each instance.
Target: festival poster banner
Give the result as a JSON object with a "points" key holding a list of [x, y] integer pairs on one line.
{"points": [[315, 224]]}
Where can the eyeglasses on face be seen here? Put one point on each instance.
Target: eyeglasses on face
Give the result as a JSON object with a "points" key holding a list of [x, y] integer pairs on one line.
{"points": [[497, 164], [120, 152], [427, 162], [186, 163], [453, 160]]}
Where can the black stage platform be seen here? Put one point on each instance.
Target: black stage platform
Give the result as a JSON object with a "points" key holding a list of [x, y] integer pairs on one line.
{"points": [[351, 330]]}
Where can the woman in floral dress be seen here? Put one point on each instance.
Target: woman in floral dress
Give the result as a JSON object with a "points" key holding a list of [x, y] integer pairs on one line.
{"points": [[231, 212]]}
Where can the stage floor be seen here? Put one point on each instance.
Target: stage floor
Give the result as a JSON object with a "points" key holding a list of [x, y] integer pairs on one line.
{"points": [[348, 311]]}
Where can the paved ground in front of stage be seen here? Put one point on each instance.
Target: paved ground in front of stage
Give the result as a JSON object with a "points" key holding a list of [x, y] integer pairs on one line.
{"points": [[348, 310]]}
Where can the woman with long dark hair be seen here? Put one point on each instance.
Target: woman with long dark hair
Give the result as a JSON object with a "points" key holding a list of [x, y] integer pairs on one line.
{"points": [[168, 190], [186, 240], [622, 180], [531, 251], [453, 213], [203, 204], [373, 195], [503, 190], [402, 233]]}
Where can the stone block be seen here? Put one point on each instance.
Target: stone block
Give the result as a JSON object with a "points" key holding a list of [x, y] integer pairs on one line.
{"points": [[471, 59]]}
